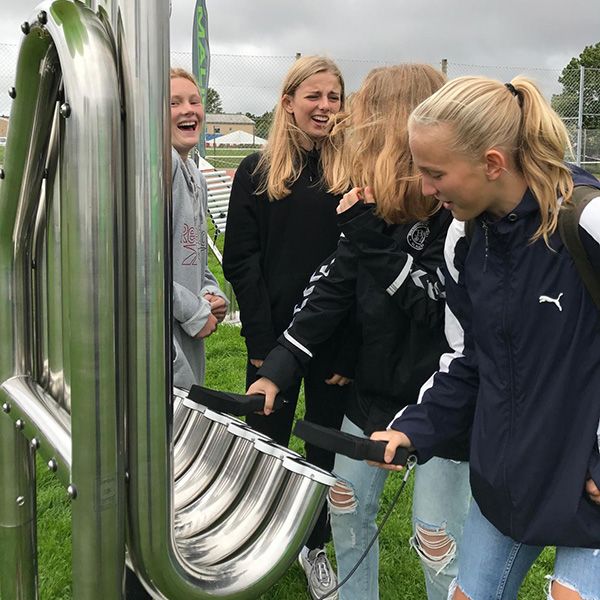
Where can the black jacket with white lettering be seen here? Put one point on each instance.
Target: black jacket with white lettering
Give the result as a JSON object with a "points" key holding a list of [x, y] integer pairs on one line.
{"points": [[390, 275], [523, 373]]}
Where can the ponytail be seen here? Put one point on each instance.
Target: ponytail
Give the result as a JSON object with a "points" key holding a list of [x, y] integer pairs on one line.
{"points": [[515, 117], [542, 143]]}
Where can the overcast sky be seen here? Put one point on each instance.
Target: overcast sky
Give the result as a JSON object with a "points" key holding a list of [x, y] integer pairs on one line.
{"points": [[538, 37]]}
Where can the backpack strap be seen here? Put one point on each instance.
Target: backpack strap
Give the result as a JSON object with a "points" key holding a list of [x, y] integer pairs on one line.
{"points": [[568, 227]]}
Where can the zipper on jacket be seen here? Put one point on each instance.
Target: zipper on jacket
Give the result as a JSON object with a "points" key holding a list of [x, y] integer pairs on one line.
{"points": [[506, 334], [484, 225]]}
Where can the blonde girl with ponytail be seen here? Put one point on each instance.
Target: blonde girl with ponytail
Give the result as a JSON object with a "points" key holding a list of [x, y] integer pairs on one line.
{"points": [[522, 380]]}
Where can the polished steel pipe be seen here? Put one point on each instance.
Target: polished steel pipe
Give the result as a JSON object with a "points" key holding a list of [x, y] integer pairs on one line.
{"points": [[264, 560], [24, 161], [260, 496], [181, 413], [86, 330], [208, 461], [188, 437], [43, 420], [224, 490], [73, 40]]}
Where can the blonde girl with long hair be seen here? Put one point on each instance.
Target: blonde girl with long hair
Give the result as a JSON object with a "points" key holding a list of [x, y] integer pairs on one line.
{"points": [[523, 379], [386, 269], [281, 225]]}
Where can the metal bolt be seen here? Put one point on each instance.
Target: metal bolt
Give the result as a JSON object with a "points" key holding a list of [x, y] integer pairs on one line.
{"points": [[1, 173], [20, 424], [25, 28], [52, 465], [12, 92], [42, 17], [65, 110], [20, 500], [6, 407], [35, 443], [72, 491]]}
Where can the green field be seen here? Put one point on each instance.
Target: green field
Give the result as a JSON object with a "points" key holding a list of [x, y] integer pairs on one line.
{"points": [[227, 158]]}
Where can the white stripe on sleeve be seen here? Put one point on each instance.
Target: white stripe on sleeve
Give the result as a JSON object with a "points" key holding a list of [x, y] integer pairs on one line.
{"points": [[455, 232], [395, 285], [296, 343]]}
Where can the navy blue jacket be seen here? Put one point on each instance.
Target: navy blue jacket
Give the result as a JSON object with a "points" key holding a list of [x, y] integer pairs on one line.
{"points": [[523, 374]]}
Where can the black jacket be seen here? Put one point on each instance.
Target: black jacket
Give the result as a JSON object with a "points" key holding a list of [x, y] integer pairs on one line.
{"points": [[272, 247], [391, 273]]}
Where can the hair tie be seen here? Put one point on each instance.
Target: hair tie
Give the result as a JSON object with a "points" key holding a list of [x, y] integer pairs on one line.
{"points": [[515, 92]]}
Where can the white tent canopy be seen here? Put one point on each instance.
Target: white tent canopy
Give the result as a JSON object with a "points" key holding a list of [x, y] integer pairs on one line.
{"points": [[237, 138]]}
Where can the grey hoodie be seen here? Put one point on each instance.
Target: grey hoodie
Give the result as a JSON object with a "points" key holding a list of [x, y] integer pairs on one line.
{"points": [[192, 278]]}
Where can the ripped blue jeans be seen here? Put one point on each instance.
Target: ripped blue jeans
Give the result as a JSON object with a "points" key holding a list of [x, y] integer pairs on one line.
{"points": [[354, 509], [441, 500], [493, 565]]}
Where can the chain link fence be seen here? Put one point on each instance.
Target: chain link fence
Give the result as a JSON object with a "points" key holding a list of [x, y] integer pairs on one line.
{"points": [[249, 85]]}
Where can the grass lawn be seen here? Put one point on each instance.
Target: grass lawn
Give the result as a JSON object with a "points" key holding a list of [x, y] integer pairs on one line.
{"points": [[400, 574], [227, 158]]}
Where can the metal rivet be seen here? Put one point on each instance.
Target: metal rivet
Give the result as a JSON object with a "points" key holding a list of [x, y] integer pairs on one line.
{"points": [[12, 92], [45, 174], [72, 491], [52, 465], [33, 264], [20, 424], [25, 28], [20, 500], [35, 443], [65, 110], [1, 173], [126, 476], [42, 17], [6, 407]]}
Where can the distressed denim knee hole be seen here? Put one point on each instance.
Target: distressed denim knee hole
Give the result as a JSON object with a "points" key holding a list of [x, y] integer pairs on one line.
{"points": [[566, 585], [434, 546], [453, 590], [341, 498]]}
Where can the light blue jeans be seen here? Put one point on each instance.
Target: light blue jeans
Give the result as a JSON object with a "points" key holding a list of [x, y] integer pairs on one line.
{"points": [[493, 566], [441, 500], [353, 520]]}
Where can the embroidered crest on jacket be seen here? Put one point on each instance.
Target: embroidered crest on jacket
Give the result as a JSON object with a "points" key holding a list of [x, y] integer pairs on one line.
{"points": [[417, 235]]}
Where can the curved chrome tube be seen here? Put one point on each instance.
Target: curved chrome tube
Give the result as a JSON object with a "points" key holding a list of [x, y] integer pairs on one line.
{"points": [[208, 462], [181, 413], [43, 420], [210, 506], [277, 542], [74, 39], [230, 534], [189, 441], [86, 331]]}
